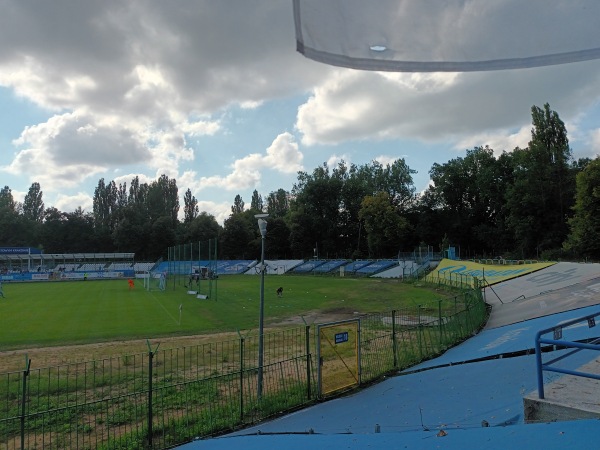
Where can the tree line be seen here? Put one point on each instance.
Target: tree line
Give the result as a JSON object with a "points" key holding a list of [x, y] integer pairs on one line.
{"points": [[533, 202]]}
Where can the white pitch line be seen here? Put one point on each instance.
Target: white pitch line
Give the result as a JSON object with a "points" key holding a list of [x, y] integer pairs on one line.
{"points": [[163, 307]]}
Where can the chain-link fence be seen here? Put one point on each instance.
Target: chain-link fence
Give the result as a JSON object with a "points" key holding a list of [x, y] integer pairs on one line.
{"points": [[161, 398]]}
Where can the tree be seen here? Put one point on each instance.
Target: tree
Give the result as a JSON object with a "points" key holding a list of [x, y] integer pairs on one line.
{"points": [[238, 233], [396, 180], [238, 205], [137, 192], [162, 236], [357, 185], [584, 236], [78, 232], [429, 217], [104, 206], [278, 203], [190, 207], [256, 204], [277, 241], [122, 198], [315, 212], [386, 229], [201, 228], [540, 199], [53, 232], [7, 202], [470, 191], [33, 205], [132, 232], [13, 229], [162, 200]]}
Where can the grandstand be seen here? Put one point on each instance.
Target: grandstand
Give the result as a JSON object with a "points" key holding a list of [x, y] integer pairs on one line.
{"points": [[142, 267], [233, 267], [376, 266], [27, 264], [308, 266], [121, 266], [92, 267], [330, 266], [404, 269], [275, 267]]}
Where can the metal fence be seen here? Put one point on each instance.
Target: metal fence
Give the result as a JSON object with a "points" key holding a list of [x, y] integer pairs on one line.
{"points": [[160, 398], [558, 340]]}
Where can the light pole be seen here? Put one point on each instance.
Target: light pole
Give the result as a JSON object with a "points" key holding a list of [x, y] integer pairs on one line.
{"points": [[262, 227]]}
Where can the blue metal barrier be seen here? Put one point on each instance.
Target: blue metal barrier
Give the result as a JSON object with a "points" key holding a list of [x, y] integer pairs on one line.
{"points": [[557, 341]]}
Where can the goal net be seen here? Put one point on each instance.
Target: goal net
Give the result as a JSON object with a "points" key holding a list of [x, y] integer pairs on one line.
{"points": [[155, 281]]}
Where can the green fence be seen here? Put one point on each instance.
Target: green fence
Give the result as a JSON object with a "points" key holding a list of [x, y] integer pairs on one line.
{"points": [[456, 280], [161, 398]]}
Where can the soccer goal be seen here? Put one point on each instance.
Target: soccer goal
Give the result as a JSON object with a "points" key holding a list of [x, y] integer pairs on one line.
{"points": [[155, 281]]}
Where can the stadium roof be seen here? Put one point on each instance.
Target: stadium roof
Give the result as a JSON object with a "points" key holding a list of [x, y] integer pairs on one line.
{"points": [[67, 256]]}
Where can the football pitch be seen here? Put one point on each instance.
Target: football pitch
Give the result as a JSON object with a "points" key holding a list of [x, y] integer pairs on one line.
{"points": [[40, 314]]}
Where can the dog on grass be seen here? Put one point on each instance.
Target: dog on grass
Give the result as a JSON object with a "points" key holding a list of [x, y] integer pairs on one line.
{"points": [[280, 292]]}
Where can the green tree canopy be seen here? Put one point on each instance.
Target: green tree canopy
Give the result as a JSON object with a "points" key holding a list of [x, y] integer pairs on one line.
{"points": [[190, 207], [33, 205], [584, 236]]}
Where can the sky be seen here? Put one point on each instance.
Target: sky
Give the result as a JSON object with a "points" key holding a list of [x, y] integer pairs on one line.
{"points": [[215, 95]]}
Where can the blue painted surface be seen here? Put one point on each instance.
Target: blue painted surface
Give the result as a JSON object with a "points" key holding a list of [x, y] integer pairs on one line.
{"points": [[559, 435], [308, 266], [446, 393], [355, 265], [513, 338], [330, 266], [376, 266]]}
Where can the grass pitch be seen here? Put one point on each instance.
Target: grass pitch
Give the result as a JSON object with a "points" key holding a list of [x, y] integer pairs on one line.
{"points": [[40, 314]]}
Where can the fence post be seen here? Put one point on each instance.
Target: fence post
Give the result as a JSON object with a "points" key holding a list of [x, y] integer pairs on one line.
{"points": [[307, 338], [467, 313], [419, 333], [394, 343], [150, 358], [241, 378], [23, 400], [440, 320]]}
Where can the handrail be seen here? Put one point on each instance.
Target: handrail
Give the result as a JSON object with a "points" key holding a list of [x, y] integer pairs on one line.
{"points": [[557, 341]]}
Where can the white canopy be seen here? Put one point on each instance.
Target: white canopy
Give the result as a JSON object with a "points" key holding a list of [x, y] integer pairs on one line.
{"points": [[449, 35]]}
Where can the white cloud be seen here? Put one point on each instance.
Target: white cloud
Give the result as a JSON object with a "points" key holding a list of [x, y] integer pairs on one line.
{"points": [[137, 87], [595, 138], [594, 143], [335, 159], [128, 82], [499, 141], [384, 160], [282, 156], [220, 211], [70, 148], [200, 128], [352, 105], [72, 202], [126, 179]]}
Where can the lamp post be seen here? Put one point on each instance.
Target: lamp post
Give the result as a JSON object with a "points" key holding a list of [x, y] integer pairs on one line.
{"points": [[262, 227]]}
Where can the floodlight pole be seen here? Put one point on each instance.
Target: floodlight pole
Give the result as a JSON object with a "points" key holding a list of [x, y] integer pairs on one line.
{"points": [[262, 227]]}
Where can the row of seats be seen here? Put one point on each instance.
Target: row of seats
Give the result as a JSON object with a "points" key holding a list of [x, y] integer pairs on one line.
{"points": [[232, 267], [106, 267]]}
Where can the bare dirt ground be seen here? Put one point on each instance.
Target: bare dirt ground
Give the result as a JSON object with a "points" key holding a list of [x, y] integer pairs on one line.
{"points": [[14, 360]]}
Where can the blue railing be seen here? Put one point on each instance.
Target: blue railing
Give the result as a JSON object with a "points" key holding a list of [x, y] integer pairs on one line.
{"points": [[557, 340]]}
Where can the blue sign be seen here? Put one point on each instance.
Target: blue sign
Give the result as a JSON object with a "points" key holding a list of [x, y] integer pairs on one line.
{"points": [[19, 251], [341, 337]]}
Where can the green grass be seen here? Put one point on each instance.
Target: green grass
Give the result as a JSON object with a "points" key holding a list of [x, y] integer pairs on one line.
{"points": [[58, 313]]}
